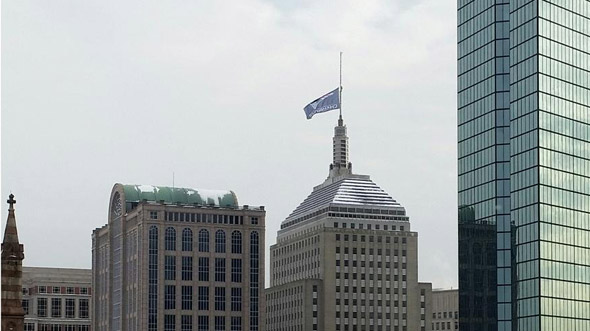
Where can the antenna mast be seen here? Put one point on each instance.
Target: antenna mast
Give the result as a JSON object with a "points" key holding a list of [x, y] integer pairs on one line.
{"points": [[340, 91]]}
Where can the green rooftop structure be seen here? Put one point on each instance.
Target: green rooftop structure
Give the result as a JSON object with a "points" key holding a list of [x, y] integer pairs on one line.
{"points": [[179, 195]]}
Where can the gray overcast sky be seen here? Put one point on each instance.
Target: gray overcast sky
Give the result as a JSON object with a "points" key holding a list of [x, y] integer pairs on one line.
{"points": [[99, 92]]}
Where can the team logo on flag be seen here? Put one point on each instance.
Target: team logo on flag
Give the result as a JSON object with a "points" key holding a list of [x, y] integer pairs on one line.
{"points": [[326, 102]]}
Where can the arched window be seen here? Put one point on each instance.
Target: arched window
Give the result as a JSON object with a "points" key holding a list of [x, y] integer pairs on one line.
{"points": [[220, 241], [170, 239], [236, 242], [153, 279], [203, 240], [254, 280], [187, 240]]}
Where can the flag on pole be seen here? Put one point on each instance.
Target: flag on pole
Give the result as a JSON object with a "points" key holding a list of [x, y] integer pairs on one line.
{"points": [[327, 102]]}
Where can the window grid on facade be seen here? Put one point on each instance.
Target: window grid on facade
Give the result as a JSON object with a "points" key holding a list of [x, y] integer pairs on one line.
{"points": [[203, 240], [170, 239], [220, 298], [170, 267], [187, 240], [186, 323], [70, 308], [203, 269], [219, 241], [42, 307], [236, 242], [236, 270], [202, 323], [55, 307], [219, 323], [187, 297], [169, 322], [220, 269], [203, 297], [170, 297], [187, 268], [236, 299]]}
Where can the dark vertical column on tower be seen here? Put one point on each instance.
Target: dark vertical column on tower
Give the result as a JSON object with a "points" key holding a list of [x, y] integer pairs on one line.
{"points": [[340, 165], [13, 314]]}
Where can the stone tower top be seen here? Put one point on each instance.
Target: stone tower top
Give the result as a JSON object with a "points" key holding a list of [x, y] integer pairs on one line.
{"points": [[340, 165]]}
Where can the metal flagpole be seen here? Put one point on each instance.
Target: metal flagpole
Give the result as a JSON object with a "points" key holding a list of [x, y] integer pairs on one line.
{"points": [[340, 90]]}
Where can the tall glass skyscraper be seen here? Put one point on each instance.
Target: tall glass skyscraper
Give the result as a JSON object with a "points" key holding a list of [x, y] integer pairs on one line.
{"points": [[524, 164]]}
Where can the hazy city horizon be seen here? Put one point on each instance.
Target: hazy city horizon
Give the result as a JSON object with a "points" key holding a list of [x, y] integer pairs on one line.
{"points": [[132, 94]]}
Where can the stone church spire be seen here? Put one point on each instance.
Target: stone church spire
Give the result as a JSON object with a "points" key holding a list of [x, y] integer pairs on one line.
{"points": [[340, 165], [12, 259]]}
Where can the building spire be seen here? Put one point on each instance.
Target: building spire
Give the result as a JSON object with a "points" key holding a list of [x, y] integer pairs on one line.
{"points": [[12, 260], [10, 232], [340, 165]]}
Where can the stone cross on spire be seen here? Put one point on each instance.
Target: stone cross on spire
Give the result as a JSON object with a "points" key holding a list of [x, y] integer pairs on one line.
{"points": [[11, 201]]}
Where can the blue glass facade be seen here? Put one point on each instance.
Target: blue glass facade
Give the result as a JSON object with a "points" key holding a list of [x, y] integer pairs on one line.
{"points": [[524, 160]]}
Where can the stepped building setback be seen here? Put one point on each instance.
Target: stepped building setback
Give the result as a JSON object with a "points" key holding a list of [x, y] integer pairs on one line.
{"points": [[178, 259], [346, 259]]}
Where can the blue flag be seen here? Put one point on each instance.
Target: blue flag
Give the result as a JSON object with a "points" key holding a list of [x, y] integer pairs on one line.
{"points": [[323, 104]]}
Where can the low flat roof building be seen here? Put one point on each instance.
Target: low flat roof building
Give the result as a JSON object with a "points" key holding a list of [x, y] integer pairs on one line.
{"points": [[445, 309], [56, 299]]}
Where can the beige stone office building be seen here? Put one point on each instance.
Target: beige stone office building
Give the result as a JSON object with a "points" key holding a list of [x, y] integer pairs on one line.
{"points": [[56, 299], [178, 259], [346, 259], [445, 309]]}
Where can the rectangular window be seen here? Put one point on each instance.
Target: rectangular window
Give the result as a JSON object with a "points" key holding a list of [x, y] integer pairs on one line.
{"points": [[42, 289], [84, 290], [203, 298], [204, 269], [219, 269], [169, 322], [70, 308], [170, 297], [69, 290], [254, 220], [236, 299], [236, 270], [187, 268], [219, 323], [236, 323], [42, 307], [170, 267], [153, 215], [220, 298], [83, 308], [56, 290], [56, 307], [186, 323], [25, 304], [187, 298], [203, 323]]}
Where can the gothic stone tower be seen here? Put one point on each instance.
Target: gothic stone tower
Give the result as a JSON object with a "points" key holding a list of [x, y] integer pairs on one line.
{"points": [[12, 258]]}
